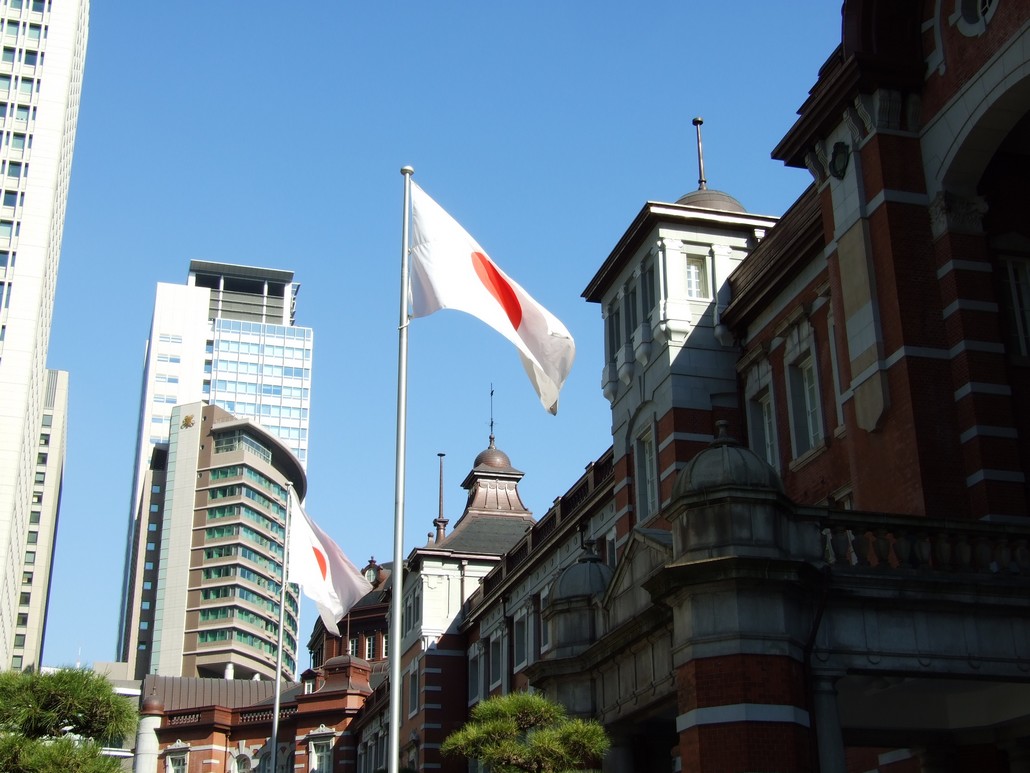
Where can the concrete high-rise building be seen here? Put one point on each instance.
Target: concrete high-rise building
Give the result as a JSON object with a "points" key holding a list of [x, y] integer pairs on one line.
{"points": [[43, 51], [206, 560], [226, 337]]}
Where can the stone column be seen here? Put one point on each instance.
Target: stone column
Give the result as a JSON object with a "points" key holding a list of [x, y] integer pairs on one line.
{"points": [[1019, 755], [937, 758], [826, 717]]}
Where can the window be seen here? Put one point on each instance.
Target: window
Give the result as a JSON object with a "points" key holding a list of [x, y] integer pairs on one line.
{"points": [[41, 458], [14, 169], [614, 331], [320, 756], [7, 57], [632, 313], [1018, 276], [148, 585], [610, 549], [520, 631], [24, 598], [495, 661], [26, 578], [354, 646], [175, 763], [545, 625], [473, 663], [647, 477], [762, 425], [19, 640], [23, 619], [155, 489], [30, 557], [44, 439], [370, 647], [696, 274], [31, 58], [413, 691], [32, 537], [16, 662], [34, 516], [647, 290], [804, 400]]}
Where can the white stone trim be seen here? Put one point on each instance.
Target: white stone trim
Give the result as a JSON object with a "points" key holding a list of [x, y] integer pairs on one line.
{"points": [[985, 430], [742, 712], [964, 265], [964, 304], [1001, 476]]}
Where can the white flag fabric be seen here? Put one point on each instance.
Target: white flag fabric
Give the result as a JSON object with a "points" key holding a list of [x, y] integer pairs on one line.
{"points": [[317, 564], [449, 270]]}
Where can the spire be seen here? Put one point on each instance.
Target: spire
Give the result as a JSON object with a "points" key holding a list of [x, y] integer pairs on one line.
{"points": [[702, 183], [440, 522]]}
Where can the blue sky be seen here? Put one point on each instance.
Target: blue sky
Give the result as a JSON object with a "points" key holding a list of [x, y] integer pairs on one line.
{"points": [[251, 133]]}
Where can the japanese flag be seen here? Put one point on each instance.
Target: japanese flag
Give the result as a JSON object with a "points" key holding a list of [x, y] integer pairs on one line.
{"points": [[449, 270], [317, 564]]}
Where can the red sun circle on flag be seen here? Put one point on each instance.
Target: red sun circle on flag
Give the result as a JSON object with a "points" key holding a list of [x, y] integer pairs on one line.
{"points": [[323, 564], [498, 287]]}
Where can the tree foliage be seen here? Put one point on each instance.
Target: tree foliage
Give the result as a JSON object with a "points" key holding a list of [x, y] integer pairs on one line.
{"points": [[59, 720], [526, 732]]}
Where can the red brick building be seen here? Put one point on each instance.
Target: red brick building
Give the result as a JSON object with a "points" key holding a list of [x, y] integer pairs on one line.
{"points": [[846, 585]]}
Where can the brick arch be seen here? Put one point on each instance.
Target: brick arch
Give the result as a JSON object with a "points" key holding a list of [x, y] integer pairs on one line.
{"points": [[964, 137]]}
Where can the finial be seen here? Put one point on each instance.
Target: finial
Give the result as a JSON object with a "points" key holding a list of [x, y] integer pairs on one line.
{"points": [[441, 522], [702, 183], [407, 170], [491, 415]]}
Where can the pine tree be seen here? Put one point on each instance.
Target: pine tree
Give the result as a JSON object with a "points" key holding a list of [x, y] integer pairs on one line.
{"points": [[526, 732], [59, 721]]}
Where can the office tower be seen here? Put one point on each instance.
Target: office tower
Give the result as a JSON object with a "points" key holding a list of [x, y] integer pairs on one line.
{"points": [[41, 60], [226, 337], [44, 506], [206, 560]]}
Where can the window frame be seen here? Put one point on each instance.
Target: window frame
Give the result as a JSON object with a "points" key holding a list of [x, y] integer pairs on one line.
{"points": [[648, 496]]}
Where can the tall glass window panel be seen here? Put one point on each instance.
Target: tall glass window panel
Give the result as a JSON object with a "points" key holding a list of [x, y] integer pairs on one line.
{"points": [[647, 477], [697, 278], [804, 393]]}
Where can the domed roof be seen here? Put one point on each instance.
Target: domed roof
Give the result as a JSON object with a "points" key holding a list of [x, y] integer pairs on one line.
{"points": [[726, 463], [492, 457], [589, 576], [709, 199], [151, 705]]}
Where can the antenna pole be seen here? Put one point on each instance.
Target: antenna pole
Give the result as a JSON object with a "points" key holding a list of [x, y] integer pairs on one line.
{"points": [[702, 183]]}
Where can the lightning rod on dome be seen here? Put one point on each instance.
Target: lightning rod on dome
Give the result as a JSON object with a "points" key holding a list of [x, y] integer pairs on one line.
{"points": [[702, 183]]}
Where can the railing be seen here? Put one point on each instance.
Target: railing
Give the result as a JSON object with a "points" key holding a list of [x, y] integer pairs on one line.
{"points": [[887, 543], [265, 715]]}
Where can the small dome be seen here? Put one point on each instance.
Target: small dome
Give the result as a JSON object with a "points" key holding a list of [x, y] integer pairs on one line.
{"points": [[587, 577], [726, 463], [709, 199], [492, 457], [151, 706]]}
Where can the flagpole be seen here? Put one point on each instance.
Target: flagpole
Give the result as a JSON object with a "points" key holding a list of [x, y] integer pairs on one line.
{"points": [[282, 625], [397, 577]]}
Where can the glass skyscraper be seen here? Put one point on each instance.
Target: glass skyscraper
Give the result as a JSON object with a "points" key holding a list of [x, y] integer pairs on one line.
{"points": [[227, 337]]}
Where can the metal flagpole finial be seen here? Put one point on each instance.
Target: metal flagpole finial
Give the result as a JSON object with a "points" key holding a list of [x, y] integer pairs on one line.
{"points": [[702, 183], [407, 170]]}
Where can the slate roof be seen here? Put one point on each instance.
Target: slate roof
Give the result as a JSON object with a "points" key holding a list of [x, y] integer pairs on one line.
{"points": [[180, 692]]}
